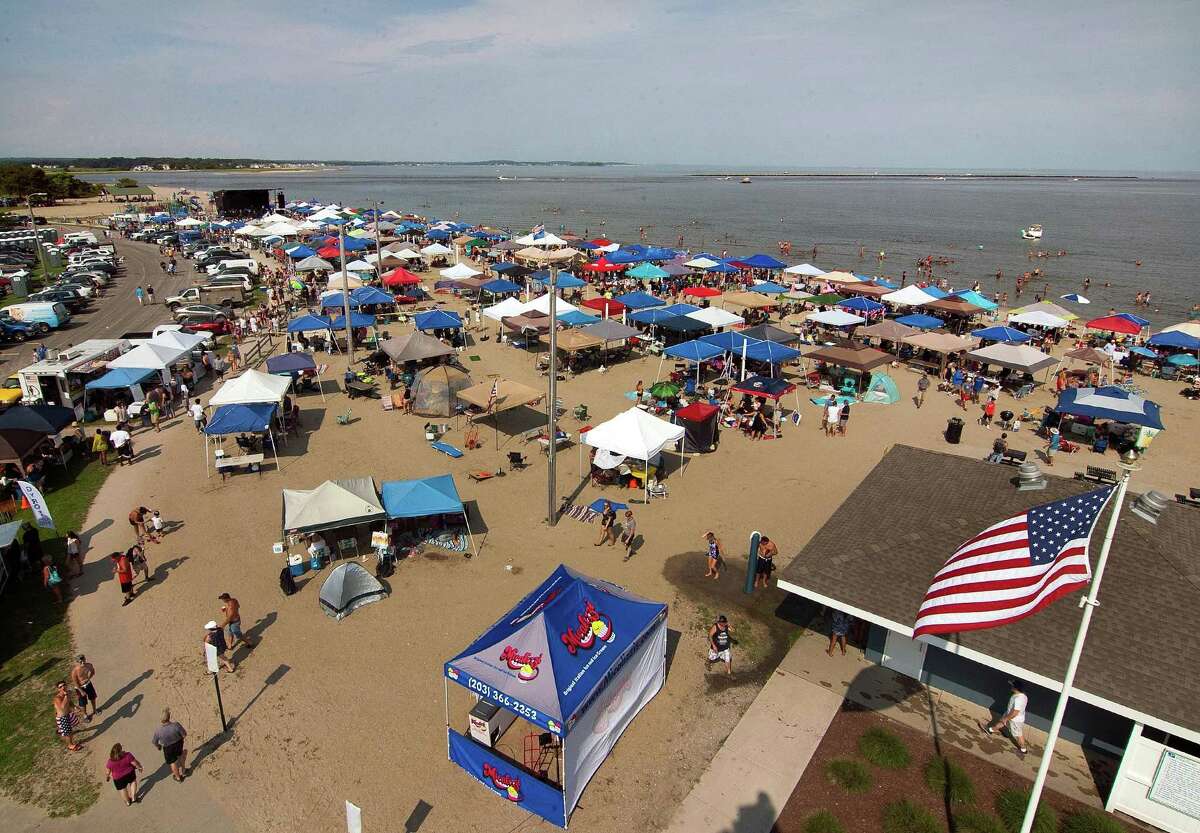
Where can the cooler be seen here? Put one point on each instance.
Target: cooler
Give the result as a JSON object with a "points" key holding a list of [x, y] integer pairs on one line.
{"points": [[489, 722], [297, 565]]}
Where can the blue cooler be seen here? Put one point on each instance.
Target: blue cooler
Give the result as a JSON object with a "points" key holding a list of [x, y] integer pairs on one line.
{"points": [[297, 566]]}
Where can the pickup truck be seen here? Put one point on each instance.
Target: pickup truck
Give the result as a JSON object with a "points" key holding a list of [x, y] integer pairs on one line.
{"points": [[225, 296]]}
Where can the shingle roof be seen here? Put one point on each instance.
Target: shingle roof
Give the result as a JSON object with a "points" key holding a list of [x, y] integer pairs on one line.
{"points": [[880, 548]]}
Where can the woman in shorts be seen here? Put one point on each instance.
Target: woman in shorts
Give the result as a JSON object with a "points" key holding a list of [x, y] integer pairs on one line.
{"points": [[122, 771], [714, 555]]}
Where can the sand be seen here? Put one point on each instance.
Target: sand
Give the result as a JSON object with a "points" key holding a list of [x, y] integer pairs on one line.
{"points": [[328, 711]]}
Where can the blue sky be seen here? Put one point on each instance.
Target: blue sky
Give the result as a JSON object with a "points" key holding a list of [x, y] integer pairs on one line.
{"points": [[1069, 85]]}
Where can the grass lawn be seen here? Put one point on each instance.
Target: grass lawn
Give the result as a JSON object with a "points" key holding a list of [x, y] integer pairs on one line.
{"points": [[35, 654]]}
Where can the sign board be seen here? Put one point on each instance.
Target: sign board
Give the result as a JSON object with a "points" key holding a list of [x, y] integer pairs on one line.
{"points": [[277, 548], [379, 540], [348, 545], [1177, 783], [37, 503], [210, 657], [353, 818]]}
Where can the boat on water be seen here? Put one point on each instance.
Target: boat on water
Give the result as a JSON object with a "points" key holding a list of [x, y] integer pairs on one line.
{"points": [[506, 178], [745, 180], [1034, 232]]}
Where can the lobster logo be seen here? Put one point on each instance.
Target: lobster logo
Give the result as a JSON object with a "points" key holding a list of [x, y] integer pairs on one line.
{"points": [[507, 785], [593, 625], [525, 664]]}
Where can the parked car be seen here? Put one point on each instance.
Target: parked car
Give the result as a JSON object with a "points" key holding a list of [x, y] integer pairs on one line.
{"points": [[85, 288], [72, 300], [205, 312], [10, 392], [44, 315], [215, 326], [16, 331]]}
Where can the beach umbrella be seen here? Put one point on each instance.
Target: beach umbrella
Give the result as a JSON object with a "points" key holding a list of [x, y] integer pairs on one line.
{"points": [[1001, 333], [1183, 360], [1175, 338], [701, 291], [1114, 324], [1112, 403], [664, 390], [1075, 298], [1144, 352]]}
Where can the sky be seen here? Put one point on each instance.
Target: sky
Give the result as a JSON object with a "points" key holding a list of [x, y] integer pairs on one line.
{"points": [[1097, 85]]}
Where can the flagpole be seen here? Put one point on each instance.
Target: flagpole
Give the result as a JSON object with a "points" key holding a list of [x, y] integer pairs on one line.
{"points": [[346, 296], [551, 478], [1088, 603]]}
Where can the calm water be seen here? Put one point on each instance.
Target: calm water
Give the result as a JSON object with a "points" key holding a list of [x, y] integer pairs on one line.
{"points": [[1104, 225]]}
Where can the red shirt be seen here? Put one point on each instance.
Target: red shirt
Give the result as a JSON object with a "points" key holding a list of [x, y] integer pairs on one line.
{"points": [[123, 766], [124, 569]]}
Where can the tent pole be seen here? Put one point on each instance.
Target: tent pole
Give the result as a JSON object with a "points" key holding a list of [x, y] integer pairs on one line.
{"points": [[562, 775], [274, 449], [470, 534], [661, 358]]}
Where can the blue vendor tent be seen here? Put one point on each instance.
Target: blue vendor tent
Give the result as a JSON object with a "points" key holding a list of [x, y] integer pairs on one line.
{"points": [[307, 323], [437, 319], [121, 377], [248, 418], [423, 498], [578, 657], [920, 321]]}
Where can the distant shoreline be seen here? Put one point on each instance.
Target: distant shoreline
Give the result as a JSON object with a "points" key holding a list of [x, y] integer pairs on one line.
{"points": [[935, 176]]}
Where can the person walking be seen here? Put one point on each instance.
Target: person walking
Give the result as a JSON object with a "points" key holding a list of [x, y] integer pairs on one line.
{"points": [[628, 533], [122, 769], [137, 558], [235, 357], [832, 413], [839, 626], [156, 527], [66, 720], [844, 418], [1014, 716], [100, 447], [766, 561], [140, 294], [123, 570], [169, 737], [85, 693], [720, 644], [149, 294], [214, 635], [714, 555], [1053, 444], [922, 386], [608, 525], [197, 412], [231, 609], [51, 579], [137, 520], [989, 412], [75, 553]]}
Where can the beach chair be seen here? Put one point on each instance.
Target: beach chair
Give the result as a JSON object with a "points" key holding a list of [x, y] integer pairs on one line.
{"points": [[1023, 391], [517, 461], [656, 489], [344, 419], [447, 449]]}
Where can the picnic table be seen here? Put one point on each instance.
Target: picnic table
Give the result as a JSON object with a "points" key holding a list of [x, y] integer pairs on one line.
{"points": [[226, 464], [357, 389]]}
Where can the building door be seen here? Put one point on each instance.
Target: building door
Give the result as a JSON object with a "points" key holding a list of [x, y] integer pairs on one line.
{"points": [[904, 654]]}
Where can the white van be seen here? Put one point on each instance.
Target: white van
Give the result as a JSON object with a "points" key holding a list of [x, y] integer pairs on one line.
{"points": [[79, 237], [52, 314], [225, 265]]}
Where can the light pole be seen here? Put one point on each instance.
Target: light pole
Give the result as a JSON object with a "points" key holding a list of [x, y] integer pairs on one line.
{"points": [[552, 479], [346, 295]]}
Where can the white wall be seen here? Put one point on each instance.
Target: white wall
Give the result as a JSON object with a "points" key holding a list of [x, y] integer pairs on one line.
{"points": [[1130, 793]]}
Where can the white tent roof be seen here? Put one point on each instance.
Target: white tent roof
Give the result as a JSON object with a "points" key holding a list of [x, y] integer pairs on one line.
{"points": [[282, 229], [542, 304], [408, 254], [701, 263], [509, 306], [189, 222], [459, 271], [909, 296], [309, 225], [359, 266], [1038, 318], [1191, 328], [150, 355], [714, 317], [835, 318], [342, 280], [275, 217], [804, 269], [437, 249], [1015, 356], [547, 239], [179, 339], [251, 387], [252, 231], [634, 433], [334, 503]]}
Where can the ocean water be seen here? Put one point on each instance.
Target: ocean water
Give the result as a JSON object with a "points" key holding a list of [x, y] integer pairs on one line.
{"points": [[1104, 225]]}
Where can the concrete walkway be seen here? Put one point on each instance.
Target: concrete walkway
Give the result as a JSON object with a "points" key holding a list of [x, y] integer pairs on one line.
{"points": [[752, 776]]}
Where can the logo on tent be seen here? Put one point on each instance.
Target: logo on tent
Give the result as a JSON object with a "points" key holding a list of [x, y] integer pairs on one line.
{"points": [[452, 672], [537, 608], [553, 726], [508, 785], [593, 626], [525, 664]]}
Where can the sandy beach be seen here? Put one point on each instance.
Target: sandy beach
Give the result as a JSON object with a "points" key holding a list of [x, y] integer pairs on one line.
{"points": [[330, 711]]}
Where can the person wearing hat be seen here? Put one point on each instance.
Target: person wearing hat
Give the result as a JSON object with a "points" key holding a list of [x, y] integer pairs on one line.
{"points": [[720, 644], [1053, 445], [214, 635], [1013, 717]]}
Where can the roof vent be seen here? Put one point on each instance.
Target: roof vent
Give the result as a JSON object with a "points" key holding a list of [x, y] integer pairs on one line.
{"points": [[1030, 477], [1150, 505]]}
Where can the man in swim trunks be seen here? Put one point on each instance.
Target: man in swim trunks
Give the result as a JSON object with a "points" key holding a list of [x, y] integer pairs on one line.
{"points": [[65, 718], [85, 692], [766, 561], [233, 620]]}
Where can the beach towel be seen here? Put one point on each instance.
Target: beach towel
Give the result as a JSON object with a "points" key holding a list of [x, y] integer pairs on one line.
{"points": [[447, 449], [453, 539]]}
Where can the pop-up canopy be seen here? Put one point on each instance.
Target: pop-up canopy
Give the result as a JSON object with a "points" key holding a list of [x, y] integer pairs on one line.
{"points": [[333, 504], [424, 498], [578, 657]]}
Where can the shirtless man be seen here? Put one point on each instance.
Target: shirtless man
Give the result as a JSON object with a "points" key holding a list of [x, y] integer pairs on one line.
{"points": [[85, 692], [65, 718], [767, 550], [233, 620]]}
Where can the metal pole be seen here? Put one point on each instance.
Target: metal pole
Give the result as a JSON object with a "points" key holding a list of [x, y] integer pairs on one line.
{"points": [[551, 485], [220, 705], [346, 296], [37, 239], [1088, 603], [378, 249]]}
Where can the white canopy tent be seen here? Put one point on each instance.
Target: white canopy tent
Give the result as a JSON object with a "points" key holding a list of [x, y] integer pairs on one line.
{"points": [[253, 386], [344, 280], [546, 239], [459, 271], [701, 263], [509, 306], [635, 433], [179, 339], [333, 504], [151, 356], [542, 304], [188, 222], [835, 318], [282, 230], [714, 317], [437, 250], [806, 269], [909, 296], [1038, 318], [1014, 356]]}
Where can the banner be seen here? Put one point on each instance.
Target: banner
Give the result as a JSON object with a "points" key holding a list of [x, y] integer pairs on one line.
{"points": [[507, 780], [41, 512]]}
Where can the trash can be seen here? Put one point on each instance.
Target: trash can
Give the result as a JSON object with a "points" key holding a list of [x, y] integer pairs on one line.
{"points": [[954, 430]]}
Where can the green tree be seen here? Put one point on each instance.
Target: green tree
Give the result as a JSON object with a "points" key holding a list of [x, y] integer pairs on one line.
{"points": [[126, 182]]}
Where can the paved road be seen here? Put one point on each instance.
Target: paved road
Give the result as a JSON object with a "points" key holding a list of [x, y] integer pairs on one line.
{"points": [[117, 311]]}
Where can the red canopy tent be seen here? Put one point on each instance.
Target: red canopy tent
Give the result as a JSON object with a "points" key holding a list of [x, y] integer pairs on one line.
{"points": [[329, 251], [602, 266], [701, 292], [1114, 324], [399, 277], [601, 241], [605, 306]]}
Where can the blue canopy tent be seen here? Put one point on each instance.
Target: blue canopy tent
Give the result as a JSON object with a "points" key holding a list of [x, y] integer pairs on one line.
{"points": [[1144, 352], [437, 319], [357, 320], [500, 286], [723, 269], [973, 297], [652, 316], [695, 352], [769, 288], [370, 295], [683, 324], [423, 498], [681, 309], [860, 304], [578, 657], [1112, 403], [250, 418], [308, 323], [1134, 319], [761, 261], [640, 300], [121, 378], [1183, 360], [731, 341], [503, 267], [295, 365], [576, 318], [934, 291], [1175, 338], [334, 300], [629, 254], [564, 280], [1001, 333], [647, 271], [300, 252], [920, 321]]}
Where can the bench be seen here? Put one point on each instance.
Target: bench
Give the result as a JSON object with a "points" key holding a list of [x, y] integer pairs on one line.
{"points": [[1098, 474], [224, 464], [1014, 457]]}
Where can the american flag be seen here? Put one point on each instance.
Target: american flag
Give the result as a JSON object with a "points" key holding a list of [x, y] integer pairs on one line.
{"points": [[1014, 568], [494, 395]]}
